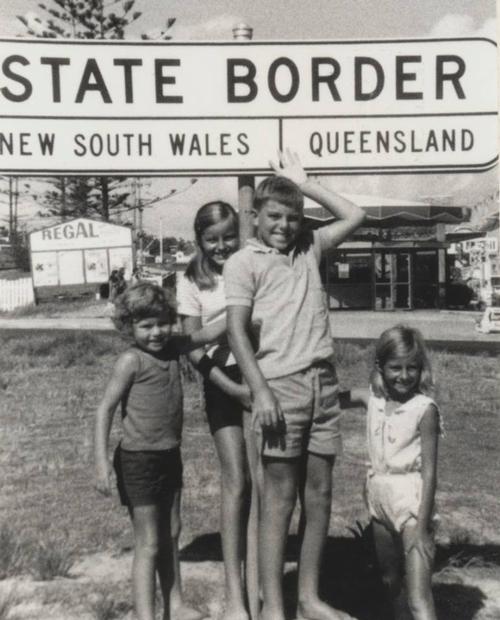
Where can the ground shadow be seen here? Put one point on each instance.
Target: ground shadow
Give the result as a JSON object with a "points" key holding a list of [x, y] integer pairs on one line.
{"points": [[350, 577]]}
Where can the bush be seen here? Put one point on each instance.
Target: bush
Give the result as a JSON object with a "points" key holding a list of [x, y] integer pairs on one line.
{"points": [[51, 559]]}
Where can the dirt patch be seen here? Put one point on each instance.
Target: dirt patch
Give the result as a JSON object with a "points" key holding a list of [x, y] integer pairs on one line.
{"points": [[461, 594]]}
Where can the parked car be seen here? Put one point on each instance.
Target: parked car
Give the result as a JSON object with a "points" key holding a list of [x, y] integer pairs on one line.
{"points": [[458, 295]]}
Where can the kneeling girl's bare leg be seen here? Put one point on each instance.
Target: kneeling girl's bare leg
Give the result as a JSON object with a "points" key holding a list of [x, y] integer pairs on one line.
{"points": [[418, 578], [390, 557]]}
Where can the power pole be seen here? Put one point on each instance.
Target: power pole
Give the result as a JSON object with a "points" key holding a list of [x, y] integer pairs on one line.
{"points": [[246, 182]]}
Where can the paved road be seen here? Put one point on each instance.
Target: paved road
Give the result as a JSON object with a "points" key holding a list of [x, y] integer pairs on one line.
{"points": [[442, 329]]}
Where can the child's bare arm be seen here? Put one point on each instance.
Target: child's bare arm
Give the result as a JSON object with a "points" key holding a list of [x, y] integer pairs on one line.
{"points": [[349, 399], [429, 435], [188, 341], [348, 216], [264, 402], [119, 383], [191, 326]]}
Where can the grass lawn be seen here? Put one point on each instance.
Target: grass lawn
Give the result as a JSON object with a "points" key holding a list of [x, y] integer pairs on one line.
{"points": [[65, 552]]}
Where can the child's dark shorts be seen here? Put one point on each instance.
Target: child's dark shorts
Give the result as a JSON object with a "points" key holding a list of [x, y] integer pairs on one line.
{"points": [[222, 409], [146, 478]]}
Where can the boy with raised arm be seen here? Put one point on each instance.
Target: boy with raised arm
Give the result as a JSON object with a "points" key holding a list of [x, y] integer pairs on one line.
{"points": [[279, 332]]}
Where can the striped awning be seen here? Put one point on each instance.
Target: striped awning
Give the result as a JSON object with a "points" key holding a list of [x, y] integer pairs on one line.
{"points": [[389, 212]]}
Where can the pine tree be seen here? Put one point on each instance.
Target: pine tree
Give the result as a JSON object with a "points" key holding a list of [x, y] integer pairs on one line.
{"points": [[86, 19]]}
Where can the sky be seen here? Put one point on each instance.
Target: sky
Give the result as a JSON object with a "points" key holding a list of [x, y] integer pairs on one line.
{"points": [[299, 20]]}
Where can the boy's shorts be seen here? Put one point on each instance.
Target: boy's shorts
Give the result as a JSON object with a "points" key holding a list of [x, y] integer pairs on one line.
{"points": [[309, 401], [147, 477], [223, 410], [394, 499]]}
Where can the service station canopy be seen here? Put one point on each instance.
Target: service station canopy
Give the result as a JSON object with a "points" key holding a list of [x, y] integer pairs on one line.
{"points": [[347, 107]]}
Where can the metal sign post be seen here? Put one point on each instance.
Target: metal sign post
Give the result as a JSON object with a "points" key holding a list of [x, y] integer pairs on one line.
{"points": [[246, 182]]}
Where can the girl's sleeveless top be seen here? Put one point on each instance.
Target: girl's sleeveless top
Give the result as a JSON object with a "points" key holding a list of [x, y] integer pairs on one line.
{"points": [[152, 409], [394, 445]]}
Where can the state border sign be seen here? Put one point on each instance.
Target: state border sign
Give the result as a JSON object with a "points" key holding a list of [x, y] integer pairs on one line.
{"points": [[163, 108]]}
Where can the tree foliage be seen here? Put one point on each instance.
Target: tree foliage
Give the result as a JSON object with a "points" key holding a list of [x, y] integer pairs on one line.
{"points": [[86, 19], [80, 196]]}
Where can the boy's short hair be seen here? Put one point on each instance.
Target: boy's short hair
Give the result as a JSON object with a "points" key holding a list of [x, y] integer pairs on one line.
{"points": [[281, 190], [140, 301]]}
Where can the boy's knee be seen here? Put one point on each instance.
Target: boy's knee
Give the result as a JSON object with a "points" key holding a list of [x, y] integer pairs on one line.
{"points": [[418, 605], [234, 483], [149, 547], [392, 583]]}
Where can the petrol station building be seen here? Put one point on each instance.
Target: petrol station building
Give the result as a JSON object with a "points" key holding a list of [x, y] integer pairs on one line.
{"points": [[397, 260]]}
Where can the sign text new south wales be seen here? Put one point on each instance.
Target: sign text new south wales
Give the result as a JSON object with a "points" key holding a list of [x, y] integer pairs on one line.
{"points": [[71, 107]]}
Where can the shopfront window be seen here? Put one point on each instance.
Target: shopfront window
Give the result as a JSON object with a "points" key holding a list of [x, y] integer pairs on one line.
{"points": [[425, 293], [349, 280]]}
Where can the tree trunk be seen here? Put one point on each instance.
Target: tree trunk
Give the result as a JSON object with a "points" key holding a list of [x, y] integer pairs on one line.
{"points": [[105, 199]]}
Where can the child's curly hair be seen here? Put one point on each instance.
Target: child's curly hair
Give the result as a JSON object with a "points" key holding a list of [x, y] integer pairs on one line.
{"points": [[401, 340], [140, 301]]}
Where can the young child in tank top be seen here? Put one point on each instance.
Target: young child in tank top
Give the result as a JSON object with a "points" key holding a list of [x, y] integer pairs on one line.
{"points": [[146, 382]]}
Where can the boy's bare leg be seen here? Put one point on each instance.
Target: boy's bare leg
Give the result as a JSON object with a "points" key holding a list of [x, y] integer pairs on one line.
{"points": [[231, 451], [279, 496], [252, 565], [172, 592], [146, 549], [317, 506]]}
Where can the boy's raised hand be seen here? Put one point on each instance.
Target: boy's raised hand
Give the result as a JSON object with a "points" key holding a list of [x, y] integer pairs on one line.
{"points": [[289, 166]]}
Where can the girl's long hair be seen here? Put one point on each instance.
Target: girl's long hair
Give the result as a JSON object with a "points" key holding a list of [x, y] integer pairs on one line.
{"points": [[401, 341], [199, 269]]}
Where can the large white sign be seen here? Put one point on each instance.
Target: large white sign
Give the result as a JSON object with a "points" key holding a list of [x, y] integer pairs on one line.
{"points": [[225, 108]]}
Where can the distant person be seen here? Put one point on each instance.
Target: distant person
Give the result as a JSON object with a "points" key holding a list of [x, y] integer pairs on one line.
{"points": [[121, 283], [278, 327], [146, 382], [113, 285], [202, 302], [403, 426]]}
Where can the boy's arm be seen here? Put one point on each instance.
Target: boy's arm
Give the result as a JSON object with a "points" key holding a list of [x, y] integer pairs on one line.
{"points": [[192, 326], [348, 215], [119, 383], [349, 399], [264, 402], [429, 435]]}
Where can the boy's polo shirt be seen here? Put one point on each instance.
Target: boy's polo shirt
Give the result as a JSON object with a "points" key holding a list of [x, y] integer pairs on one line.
{"points": [[289, 321]]}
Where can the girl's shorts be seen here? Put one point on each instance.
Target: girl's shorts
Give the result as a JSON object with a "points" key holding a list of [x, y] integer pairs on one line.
{"points": [[222, 409], [394, 499], [147, 477]]}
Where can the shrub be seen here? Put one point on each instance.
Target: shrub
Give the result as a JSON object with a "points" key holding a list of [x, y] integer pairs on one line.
{"points": [[51, 559]]}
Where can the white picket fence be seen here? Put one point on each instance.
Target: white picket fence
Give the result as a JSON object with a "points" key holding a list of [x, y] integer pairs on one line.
{"points": [[16, 294]]}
